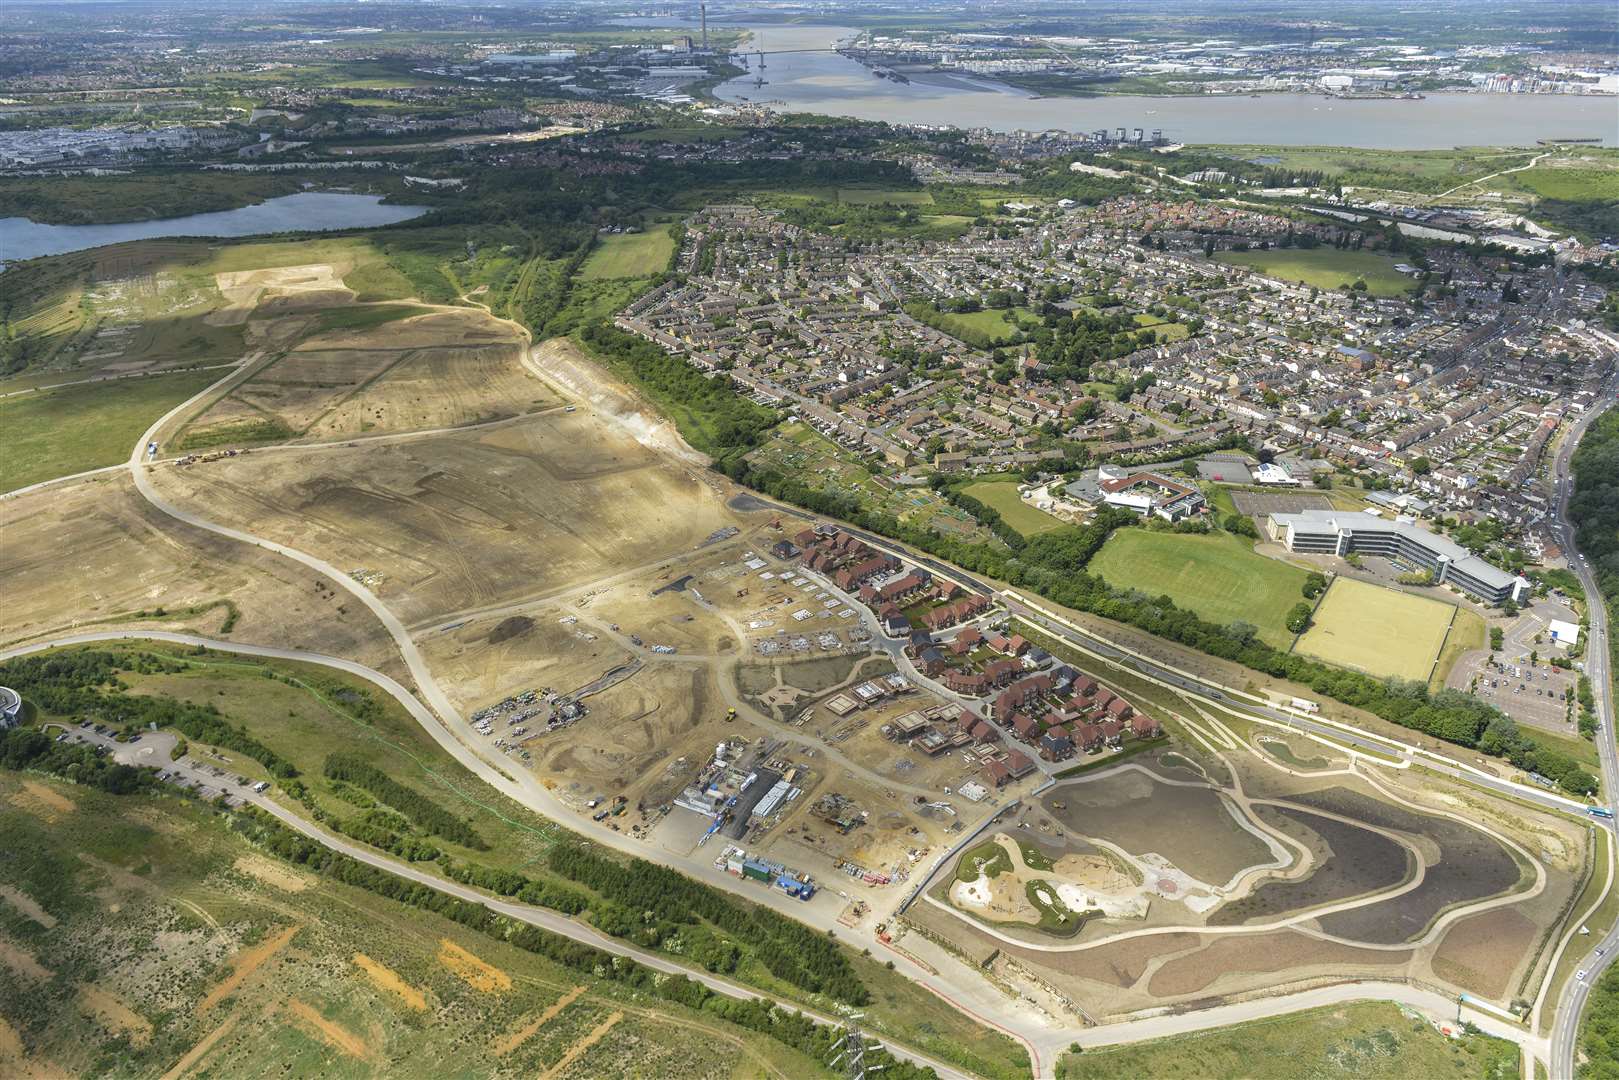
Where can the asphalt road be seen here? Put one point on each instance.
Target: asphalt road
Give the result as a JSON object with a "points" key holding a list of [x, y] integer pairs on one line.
{"points": [[153, 751], [449, 729], [1576, 992]]}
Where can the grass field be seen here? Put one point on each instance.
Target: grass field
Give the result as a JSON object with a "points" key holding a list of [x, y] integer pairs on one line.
{"points": [[1002, 497], [1370, 1041], [1468, 632], [983, 328], [628, 255], [304, 713], [873, 197], [1218, 577], [175, 944], [1380, 631], [1413, 170], [55, 433], [1325, 268]]}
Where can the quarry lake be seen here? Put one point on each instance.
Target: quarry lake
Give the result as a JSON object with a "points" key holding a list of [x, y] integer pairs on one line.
{"points": [[826, 82], [308, 211]]}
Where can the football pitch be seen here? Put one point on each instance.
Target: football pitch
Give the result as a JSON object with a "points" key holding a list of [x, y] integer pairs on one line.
{"points": [[1378, 631], [1219, 577]]}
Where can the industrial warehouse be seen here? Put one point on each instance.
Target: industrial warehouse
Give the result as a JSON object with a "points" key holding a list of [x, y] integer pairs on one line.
{"points": [[1336, 532]]}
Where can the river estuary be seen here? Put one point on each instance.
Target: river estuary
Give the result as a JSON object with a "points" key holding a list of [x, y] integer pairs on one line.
{"points": [[824, 82]]}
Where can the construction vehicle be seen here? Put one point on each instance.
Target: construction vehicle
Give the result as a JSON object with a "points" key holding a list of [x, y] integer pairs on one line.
{"points": [[730, 716]]}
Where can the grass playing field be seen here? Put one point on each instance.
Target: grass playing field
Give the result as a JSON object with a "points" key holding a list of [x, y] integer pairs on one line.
{"points": [[1219, 577], [1379, 631], [60, 432], [982, 328], [1002, 497], [627, 255], [1325, 268]]}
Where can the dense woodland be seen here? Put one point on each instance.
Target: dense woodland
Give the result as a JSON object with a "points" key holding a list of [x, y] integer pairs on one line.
{"points": [[1594, 508], [1599, 1033]]}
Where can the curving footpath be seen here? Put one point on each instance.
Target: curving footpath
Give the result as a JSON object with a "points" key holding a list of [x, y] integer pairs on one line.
{"points": [[1045, 1041], [544, 918]]}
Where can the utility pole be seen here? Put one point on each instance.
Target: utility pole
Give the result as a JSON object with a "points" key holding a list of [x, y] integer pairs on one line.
{"points": [[849, 1052]]}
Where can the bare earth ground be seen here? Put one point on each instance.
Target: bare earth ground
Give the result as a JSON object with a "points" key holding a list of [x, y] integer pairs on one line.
{"points": [[450, 523], [92, 555]]}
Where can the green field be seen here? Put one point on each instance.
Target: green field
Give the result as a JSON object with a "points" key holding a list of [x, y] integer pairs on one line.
{"points": [[1382, 632], [305, 713], [54, 433], [1368, 1041], [1325, 268], [171, 935], [1002, 497], [875, 197], [629, 255], [1429, 171], [365, 316], [1218, 577], [981, 328]]}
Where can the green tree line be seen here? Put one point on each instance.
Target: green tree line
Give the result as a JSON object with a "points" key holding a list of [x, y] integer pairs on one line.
{"points": [[423, 811], [84, 685]]}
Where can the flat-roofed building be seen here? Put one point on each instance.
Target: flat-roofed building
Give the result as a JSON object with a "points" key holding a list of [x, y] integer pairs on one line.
{"points": [[1339, 532]]}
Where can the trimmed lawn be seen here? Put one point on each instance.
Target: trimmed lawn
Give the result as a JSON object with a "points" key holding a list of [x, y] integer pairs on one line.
{"points": [[1002, 497], [60, 432], [1379, 631], [1219, 577], [990, 324], [629, 255], [1468, 632], [1325, 268], [1368, 1040]]}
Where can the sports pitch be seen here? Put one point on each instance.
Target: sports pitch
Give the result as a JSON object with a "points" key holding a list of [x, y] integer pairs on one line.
{"points": [[1002, 497], [1219, 577], [1376, 630]]}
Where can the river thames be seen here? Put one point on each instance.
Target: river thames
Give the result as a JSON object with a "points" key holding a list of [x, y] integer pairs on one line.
{"points": [[834, 85]]}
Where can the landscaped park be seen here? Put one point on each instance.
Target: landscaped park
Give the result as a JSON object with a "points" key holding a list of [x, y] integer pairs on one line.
{"points": [[1244, 857]]}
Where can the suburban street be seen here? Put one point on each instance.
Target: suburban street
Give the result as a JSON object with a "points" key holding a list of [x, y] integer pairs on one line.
{"points": [[1045, 1037], [207, 781]]}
